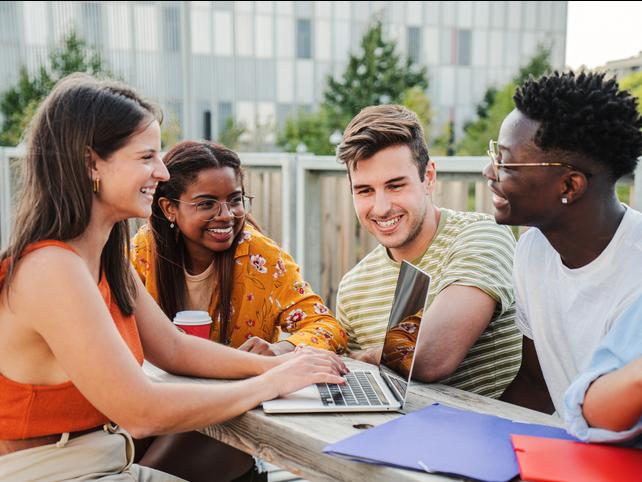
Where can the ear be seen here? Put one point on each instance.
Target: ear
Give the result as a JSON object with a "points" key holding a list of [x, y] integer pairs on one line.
{"points": [[574, 185], [430, 177], [169, 208], [91, 160]]}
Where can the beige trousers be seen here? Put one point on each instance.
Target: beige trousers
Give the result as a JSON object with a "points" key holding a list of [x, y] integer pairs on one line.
{"points": [[105, 455]]}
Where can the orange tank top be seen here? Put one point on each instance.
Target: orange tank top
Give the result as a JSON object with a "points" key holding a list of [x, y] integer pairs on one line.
{"points": [[28, 410]]}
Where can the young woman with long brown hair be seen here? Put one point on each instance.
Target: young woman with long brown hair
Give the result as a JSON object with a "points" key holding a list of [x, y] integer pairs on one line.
{"points": [[75, 320]]}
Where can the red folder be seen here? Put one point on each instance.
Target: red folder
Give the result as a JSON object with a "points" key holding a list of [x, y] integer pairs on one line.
{"points": [[551, 460]]}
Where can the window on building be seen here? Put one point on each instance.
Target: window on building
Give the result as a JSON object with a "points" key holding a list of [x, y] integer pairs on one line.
{"points": [[8, 22], [303, 39], [224, 113], [207, 125], [464, 47], [171, 29], [92, 15], [223, 5], [414, 44], [146, 23], [223, 33]]}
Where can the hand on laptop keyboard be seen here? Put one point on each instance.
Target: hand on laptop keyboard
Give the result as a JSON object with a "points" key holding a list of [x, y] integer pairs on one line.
{"points": [[304, 367], [369, 355]]}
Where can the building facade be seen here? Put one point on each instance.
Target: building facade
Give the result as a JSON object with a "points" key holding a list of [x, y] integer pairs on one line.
{"points": [[258, 62], [623, 67]]}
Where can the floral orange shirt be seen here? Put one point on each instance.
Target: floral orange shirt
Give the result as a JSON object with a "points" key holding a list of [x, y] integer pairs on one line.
{"points": [[399, 346], [268, 294]]}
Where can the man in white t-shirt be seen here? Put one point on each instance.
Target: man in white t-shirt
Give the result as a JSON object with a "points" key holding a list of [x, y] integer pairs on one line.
{"points": [[554, 168]]}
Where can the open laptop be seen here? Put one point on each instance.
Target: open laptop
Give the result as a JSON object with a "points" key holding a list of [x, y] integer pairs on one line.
{"points": [[383, 387]]}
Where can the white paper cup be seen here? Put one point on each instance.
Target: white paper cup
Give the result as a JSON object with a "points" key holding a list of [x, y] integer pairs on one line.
{"points": [[195, 323]]}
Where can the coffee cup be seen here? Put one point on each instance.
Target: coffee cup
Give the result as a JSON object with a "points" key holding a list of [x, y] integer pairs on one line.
{"points": [[195, 323]]}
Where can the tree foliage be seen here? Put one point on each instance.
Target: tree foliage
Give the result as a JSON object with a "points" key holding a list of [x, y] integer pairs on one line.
{"points": [[374, 75], [478, 133], [171, 131], [231, 133], [307, 129], [633, 83], [19, 103], [416, 100], [498, 103]]}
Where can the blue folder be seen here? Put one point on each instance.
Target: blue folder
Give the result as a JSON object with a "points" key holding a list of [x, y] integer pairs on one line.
{"points": [[444, 440]]}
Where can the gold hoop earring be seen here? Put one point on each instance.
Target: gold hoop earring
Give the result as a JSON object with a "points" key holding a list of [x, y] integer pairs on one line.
{"points": [[97, 185]]}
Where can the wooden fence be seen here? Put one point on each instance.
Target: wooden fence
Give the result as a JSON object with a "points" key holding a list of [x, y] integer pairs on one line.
{"points": [[304, 204]]}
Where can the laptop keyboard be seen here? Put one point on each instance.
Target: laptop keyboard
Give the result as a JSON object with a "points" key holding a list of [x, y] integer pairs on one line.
{"points": [[360, 389]]}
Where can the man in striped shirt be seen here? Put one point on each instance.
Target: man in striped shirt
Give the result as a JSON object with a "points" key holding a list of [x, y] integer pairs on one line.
{"points": [[471, 341]]}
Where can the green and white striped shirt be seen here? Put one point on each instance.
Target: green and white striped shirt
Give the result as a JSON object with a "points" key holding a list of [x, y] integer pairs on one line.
{"points": [[468, 249]]}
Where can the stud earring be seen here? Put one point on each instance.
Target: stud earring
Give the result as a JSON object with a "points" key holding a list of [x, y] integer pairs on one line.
{"points": [[564, 200], [97, 185]]}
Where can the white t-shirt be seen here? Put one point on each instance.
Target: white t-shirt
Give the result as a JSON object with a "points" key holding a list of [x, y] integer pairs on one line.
{"points": [[567, 312]]}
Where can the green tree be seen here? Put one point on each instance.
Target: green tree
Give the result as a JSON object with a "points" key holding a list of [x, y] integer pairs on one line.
{"points": [[486, 103], [19, 103], [538, 65], [497, 104], [259, 138], [308, 129], [375, 75], [478, 133], [170, 131], [633, 83], [416, 100], [444, 143], [231, 134]]}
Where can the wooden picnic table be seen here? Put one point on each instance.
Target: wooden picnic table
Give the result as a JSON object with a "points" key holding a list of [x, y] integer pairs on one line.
{"points": [[295, 441]]}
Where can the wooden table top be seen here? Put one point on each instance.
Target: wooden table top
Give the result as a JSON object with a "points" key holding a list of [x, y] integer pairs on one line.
{"points": [[295, 441]]}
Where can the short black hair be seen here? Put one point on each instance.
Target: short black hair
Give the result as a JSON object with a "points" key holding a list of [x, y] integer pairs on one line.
{"points": [[587, 114]]}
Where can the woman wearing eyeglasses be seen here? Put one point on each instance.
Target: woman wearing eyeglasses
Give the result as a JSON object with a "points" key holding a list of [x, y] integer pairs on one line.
{"points": [[202, 251]]}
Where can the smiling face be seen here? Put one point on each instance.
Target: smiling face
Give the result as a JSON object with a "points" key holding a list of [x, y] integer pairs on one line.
{"points": [[392, 202], [530, 195], [129, 176], [203, 238]]}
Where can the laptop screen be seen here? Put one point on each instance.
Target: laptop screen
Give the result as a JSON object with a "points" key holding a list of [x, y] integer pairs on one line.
{"points": [[405, 320]]}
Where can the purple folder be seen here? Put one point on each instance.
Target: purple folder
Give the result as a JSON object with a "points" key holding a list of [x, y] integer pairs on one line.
{"points": [[444, 440]]}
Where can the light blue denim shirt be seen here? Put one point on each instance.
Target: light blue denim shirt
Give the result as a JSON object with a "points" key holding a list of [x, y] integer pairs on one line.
{"points": [[621, 345]]}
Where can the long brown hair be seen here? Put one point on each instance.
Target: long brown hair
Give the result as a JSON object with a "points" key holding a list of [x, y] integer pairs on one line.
{"points": [[56, 198], [184, 162]]}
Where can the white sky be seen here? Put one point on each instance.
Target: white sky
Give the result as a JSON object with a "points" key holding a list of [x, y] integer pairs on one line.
{"points": [[601, 31]]}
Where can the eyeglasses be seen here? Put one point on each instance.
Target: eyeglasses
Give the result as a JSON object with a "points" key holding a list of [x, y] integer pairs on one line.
{"points": [[493, 154], [208, 209]]}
